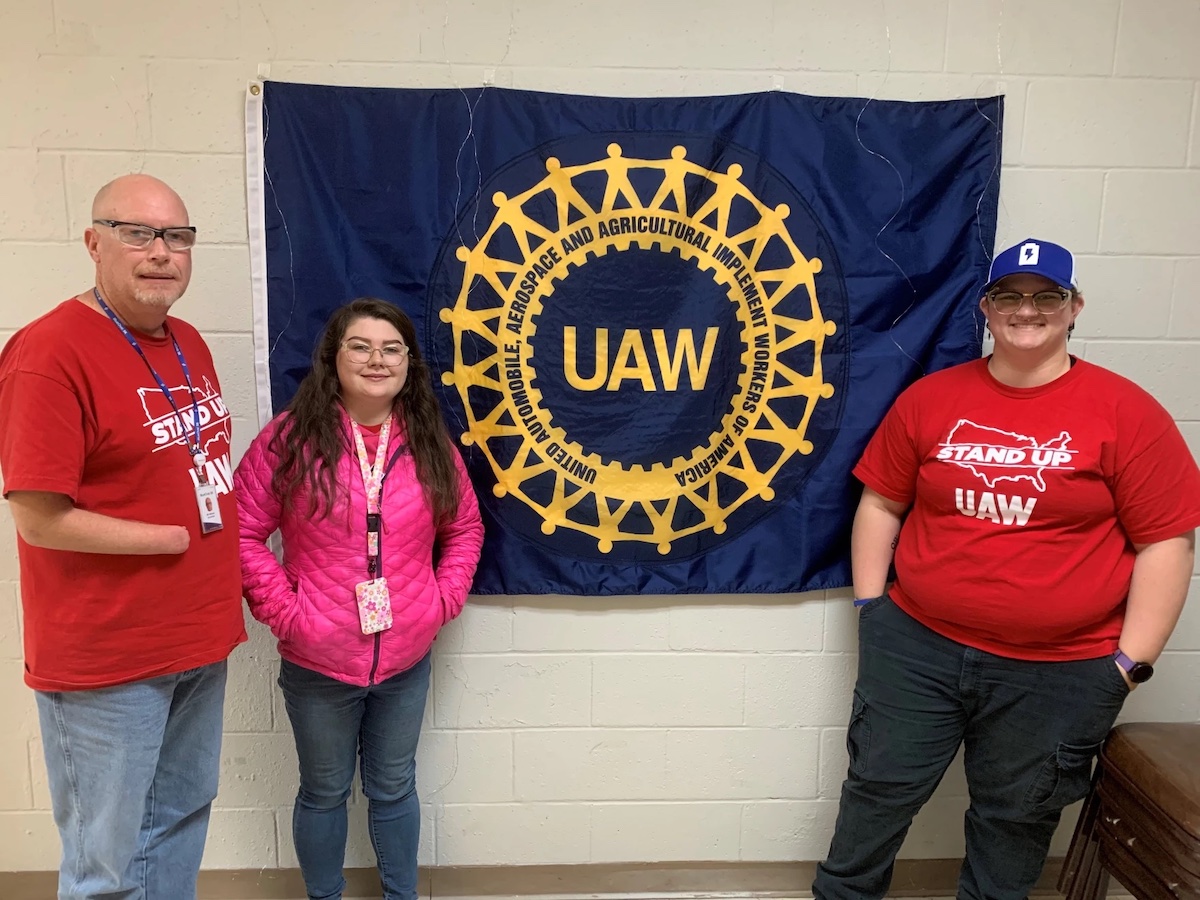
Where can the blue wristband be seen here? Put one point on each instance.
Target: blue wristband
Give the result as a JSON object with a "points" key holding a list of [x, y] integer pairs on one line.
{"points": [[864, 601]]}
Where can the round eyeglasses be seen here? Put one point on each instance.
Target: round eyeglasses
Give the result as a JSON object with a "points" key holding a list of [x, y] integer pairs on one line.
{"points": [[180, 238], [358, 352], [1045, 302]]}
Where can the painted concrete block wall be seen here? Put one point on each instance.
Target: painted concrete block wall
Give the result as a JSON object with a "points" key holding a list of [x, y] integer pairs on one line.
{"points": [[566, 730]]}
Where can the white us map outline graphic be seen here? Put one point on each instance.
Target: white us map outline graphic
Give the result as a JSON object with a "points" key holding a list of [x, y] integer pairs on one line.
{"points": [[204, 395], [1033, 473]]}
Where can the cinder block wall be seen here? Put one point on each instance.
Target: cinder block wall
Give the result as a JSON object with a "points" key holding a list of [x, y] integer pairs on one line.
{"points": [[571, 730]]}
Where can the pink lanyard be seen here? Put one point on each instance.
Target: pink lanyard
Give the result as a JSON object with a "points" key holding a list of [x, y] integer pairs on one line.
{"points": [[372, 476]]}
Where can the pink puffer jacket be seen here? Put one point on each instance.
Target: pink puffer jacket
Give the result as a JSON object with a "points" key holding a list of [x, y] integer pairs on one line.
{"points": [[309, 602]]}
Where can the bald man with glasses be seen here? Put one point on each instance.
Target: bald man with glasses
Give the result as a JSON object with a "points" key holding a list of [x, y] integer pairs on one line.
{"points": [[115, 459]]}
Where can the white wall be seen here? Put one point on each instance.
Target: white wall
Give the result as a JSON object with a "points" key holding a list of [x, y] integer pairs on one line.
{"points": [[576, 730]]}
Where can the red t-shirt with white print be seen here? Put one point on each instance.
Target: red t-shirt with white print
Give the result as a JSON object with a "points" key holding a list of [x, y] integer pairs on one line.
{"points": [[1026, 504], [81, 415]]}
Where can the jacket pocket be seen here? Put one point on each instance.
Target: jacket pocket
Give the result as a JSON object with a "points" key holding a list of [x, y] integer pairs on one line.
{"points": [[291, 615], [446, 613], [286, 621]]}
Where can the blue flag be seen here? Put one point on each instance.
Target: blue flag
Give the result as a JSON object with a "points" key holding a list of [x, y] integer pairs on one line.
{"points": [[662, 330]]}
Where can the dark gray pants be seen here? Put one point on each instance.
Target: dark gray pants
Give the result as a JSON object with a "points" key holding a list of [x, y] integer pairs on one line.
{"points": [[1030, 732]]}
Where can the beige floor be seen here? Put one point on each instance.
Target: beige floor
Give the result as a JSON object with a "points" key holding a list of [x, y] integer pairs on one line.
{"points": [[767, 881], [1115, 893]]}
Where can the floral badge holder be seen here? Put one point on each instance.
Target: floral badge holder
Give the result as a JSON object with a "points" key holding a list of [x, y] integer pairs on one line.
{"points": [[374, 605]]}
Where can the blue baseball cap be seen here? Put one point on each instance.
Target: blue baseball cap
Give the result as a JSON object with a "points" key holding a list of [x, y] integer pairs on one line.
{"points": [[1035, 257]]}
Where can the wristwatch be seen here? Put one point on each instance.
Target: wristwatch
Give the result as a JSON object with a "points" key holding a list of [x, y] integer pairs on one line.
{"points": [[1138, 672]]}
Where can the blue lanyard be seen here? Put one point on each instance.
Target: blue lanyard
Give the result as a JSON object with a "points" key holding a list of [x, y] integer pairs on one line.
{"points": [[194, 446]]}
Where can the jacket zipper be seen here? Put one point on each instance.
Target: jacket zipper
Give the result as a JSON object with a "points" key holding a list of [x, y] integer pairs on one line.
{"points": [[374, 661], [379, 634]]}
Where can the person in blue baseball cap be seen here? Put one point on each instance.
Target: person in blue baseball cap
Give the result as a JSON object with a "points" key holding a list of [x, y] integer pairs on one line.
{"points": [[1040, 514], [1034, 257], [1048, 271]]}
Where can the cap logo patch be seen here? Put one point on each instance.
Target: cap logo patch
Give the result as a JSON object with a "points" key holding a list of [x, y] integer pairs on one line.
{"points": [[1029, 254]]}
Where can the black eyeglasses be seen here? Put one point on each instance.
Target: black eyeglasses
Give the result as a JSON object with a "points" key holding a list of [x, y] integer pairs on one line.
{"points": [[182, 237]]}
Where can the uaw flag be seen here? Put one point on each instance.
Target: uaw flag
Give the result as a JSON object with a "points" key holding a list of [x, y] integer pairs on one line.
{"points": [[662, 330]]}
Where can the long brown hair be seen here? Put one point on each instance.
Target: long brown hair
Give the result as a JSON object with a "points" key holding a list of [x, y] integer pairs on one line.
{"points": [[310, 443]]}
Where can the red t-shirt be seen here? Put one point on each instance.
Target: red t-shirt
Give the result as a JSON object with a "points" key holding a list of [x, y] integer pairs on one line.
{"points": [[81, 415], [1026, 503]]}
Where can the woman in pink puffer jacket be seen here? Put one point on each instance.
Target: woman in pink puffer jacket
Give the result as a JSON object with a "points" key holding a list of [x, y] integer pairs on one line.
{"points": [[381, 535]]}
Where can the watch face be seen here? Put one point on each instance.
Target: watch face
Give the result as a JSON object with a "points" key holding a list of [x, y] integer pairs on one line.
{"points": [[1140, 672]]}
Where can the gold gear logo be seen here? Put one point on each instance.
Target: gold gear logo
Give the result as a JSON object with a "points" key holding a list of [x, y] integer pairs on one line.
{"points": [[752, 441]]}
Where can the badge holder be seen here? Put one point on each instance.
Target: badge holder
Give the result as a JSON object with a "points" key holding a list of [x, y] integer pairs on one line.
{"points": [[207, 500], [374, 601]]}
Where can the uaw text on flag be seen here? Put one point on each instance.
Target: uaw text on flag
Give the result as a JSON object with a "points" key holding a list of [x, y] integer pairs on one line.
{"points": [[662, 329]]}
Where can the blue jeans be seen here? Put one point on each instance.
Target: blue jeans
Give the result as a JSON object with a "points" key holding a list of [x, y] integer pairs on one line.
{"points": [[133, 773], [1030, 731], [334, 723]]}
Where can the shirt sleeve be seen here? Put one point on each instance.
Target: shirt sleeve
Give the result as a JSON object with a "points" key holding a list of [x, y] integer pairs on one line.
{"points": [[43, 442], [891, 461], [1156, 483]]}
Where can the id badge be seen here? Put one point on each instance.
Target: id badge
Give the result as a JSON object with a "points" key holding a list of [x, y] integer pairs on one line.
{"points": [[374, 605], [210, 509]]}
